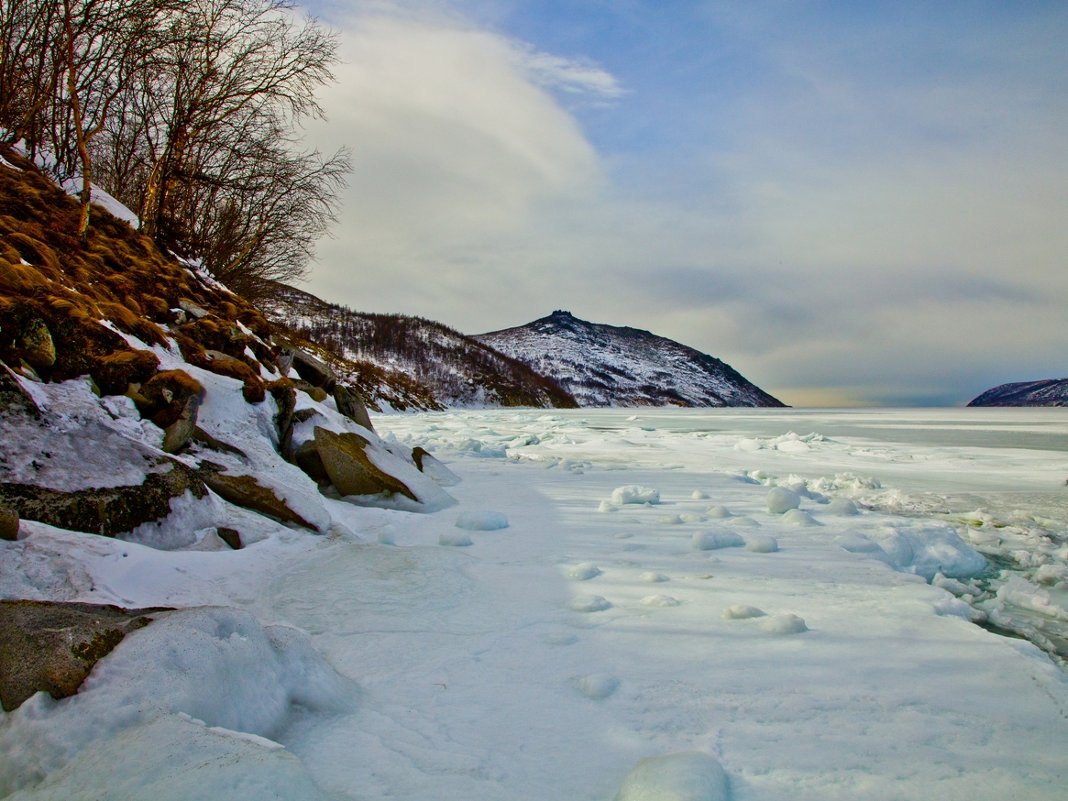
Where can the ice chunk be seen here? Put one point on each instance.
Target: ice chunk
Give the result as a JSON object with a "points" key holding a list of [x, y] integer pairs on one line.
{"points": [[783, 624], [699, 495], [742, 612], [596, 686], [455, 538], [481, 521], [712, 540], [634, 493], [782, 500], [590, 603], [652, 577], [688, 776], [799, 517], [719, 512], [761, 543], [842, 506], [583, 571]]}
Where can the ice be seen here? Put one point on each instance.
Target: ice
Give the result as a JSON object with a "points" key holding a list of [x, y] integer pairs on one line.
{"points": [[597, 686], [481, 521], [762, 543], [676, 777], [783, 624], [583, 571], [342, 667], [798, 517], [456, 539], [634, 493], [713, 540], [742, 612], [590, 603], [781, 500]]}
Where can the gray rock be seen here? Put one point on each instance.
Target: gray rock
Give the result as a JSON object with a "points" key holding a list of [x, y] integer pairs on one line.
{"points": [[177, 435], [231, 536], [350, 469], [350, 404], [306, 457], [315, 371], [192, 309], [52, 646], [432, 468]]}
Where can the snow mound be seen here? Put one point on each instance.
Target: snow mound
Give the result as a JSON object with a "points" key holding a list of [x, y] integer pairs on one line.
{"points": [[761, 543], [634, 493], [798, 517], [713, 540], [590, 603], [216, 665], [583, 571], [454, 539], [596, 686], [783, 624], [782, 500], [719, 512], [662, 601], [742, 612], [676, 777], [652, 577], [922, 550], [842, 506], [481, 521]]}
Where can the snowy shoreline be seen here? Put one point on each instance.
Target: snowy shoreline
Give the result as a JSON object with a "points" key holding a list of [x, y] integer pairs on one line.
{"points": [[803, 649]]}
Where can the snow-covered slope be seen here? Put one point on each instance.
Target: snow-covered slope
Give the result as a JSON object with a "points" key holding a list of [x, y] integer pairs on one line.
{"points": [[606, 365], [453, 369], [1050, 392]]}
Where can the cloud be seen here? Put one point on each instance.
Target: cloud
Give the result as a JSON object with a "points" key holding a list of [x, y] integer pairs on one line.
{"points": [[839, 210]]}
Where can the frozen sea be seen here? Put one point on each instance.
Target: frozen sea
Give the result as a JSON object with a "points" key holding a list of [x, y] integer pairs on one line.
{"points": [[682, 605]]}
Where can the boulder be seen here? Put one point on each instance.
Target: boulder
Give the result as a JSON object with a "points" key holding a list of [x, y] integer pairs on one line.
{"points": [[315, 371], [171, 399], [52, 646], [350, 404], [36, 346], [245, 491], [306, 457], [15, 401], [231, 536], [285, 399], [9, 523], [433, 469], [351, 470], [106, 510]]}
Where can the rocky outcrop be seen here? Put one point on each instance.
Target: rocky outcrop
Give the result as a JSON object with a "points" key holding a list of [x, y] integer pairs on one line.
{"points": [[107, 510], [315, 372], [345, 460], [245, 491], [170, 399], [15, 401], [350, 404], [52, 647]]}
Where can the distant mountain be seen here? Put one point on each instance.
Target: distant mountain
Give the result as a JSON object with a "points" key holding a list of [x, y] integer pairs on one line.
{"points": [[408, 362], [605, 365], [1050, 392]]}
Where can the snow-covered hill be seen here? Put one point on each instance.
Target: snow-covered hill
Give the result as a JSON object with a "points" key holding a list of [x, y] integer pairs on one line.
{"points": [[606, 365], [1049, 392], [452, 369]]}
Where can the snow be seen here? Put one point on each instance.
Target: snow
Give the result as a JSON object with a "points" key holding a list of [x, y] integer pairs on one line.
{"points": [[633, 493], [582, 655], [481, 521]]}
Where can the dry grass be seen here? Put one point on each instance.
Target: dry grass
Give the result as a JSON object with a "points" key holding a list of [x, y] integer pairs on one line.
{"points": [[117, 275]]}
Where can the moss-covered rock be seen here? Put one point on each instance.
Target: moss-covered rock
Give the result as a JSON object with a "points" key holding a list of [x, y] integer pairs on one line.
{"points": [[108, 510], [52, 647]]}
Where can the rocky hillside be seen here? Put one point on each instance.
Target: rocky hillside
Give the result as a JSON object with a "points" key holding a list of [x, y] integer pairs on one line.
{"points": [[435, 365], [605, 365], [1050, 392], [140, 399]]}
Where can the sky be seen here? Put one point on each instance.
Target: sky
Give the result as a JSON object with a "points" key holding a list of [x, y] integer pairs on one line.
{"points": [[850, 203]]}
